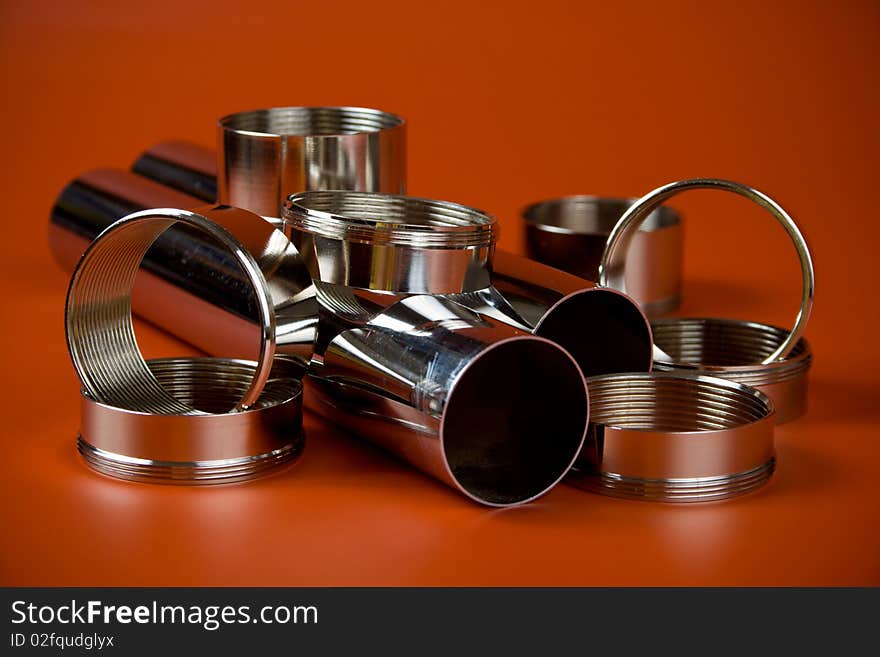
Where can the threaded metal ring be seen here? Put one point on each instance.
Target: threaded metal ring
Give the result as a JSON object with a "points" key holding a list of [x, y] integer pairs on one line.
{"points": [[729, 349], [698, 489], [310, 121], [98, 315], [191, 473], [207, 448], [379, 219], [675, 437]]}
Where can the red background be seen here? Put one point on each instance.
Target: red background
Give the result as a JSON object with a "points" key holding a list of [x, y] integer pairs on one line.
{"points": [[507, 103]]}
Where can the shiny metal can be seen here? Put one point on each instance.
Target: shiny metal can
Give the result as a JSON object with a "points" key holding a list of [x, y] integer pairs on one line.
{"points": [[570, 233]]}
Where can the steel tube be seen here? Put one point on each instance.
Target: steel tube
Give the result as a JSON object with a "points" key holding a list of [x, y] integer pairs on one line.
{"points": [[446, 373], [211, 447], [497, 414], [603, 329], [180, 165]]}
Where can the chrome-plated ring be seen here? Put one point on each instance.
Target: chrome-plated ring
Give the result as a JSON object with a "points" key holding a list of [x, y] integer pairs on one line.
{"points": [[390, 219], [207, 448], [392, 243], [675, 437], [98, 315], [720, 347], [266, 154], [611, 267]]}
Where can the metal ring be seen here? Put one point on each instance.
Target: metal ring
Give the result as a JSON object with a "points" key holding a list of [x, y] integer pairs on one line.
{"points": [[675, 438], [392, 243], [100, 334], [267, 154], [718, 347], [208, 448], [611, 267]]}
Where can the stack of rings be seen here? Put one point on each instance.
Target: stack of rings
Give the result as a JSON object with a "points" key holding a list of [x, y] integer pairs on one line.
{"points": [[178, 420], [695, 429], [774, 360]]}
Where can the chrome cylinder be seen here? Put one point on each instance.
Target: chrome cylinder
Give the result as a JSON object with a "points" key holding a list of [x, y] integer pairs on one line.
{"points": [[266, 154], [210, 447], [523, 293], [675, 437], [426, 363], [497, 414], [604, 329], [570, 233]]}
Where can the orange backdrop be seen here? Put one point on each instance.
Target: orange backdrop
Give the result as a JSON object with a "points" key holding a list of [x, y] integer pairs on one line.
{"points": [[507, 103]]}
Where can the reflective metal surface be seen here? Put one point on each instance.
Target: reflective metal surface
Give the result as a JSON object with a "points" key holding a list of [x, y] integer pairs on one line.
{"points": [[612, 268], [570, 233], [527, 295], [496, 414], [267, 154], [210, 447], [603, 329], [189, 284], [100, 335], [729, 349], [675, 438], [390, 242]]}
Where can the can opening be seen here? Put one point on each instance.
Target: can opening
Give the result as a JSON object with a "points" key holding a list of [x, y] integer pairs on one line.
{"points": [[603, 329], [514, 421]]}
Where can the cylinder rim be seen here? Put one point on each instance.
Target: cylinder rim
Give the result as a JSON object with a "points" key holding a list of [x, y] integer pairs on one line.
{"points": [[796, 363], [392, 219], [461, 376], [368, 119]]}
